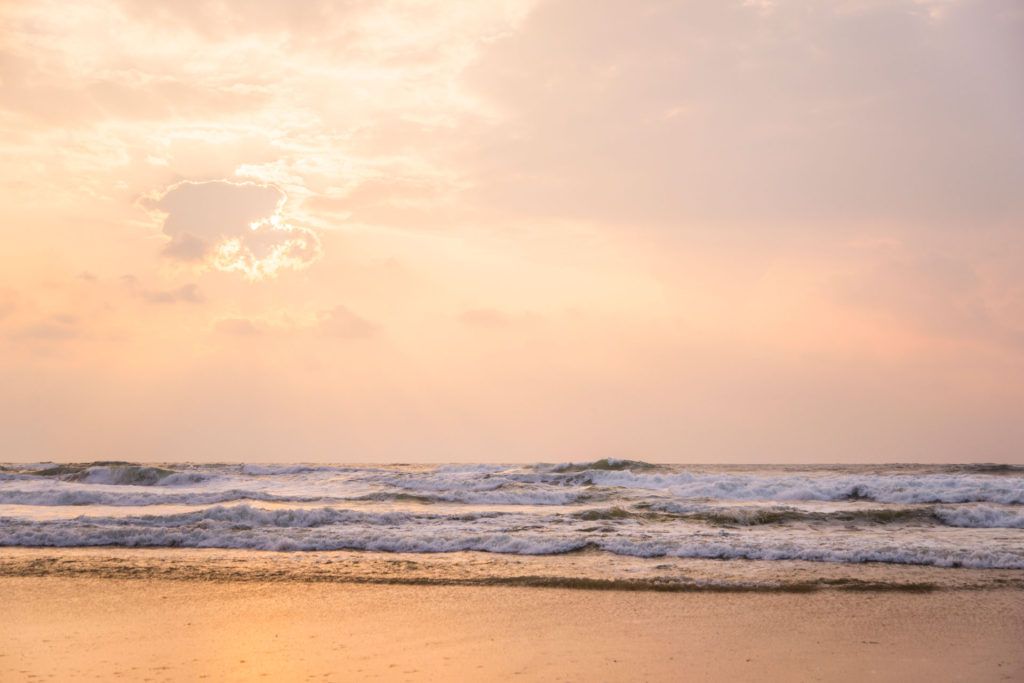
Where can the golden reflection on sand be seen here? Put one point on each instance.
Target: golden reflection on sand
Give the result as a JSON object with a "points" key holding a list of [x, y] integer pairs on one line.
{"points": [[110, 629]]}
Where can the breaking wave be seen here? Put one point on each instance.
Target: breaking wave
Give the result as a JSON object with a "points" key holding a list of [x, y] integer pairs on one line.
{"points": [[246, 527], [901, 488], [941, 516], [116, 474], [80, 496]]}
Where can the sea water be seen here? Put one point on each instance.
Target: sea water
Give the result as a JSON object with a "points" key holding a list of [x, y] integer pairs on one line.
{"points": [[608, 523]]}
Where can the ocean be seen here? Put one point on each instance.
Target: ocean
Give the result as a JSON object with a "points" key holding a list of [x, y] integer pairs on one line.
{"points": [[602, 524]]}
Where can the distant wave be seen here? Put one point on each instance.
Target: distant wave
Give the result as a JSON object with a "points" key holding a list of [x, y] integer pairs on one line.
{"points": [[542, 483], [80, 496], [610, 464], [285, 470], [900, 488], [114, 474]]}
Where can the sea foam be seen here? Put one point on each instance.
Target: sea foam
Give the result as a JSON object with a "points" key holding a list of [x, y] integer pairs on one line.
{"points": [[942, 516]]}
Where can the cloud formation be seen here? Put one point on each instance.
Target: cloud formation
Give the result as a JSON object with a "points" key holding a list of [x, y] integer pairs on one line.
{"points": [[233, 227], [57, 327], [342, 323], [750, 227], [187, 293], [237, 327], [768, 116], [943, 298], [338, 322]]}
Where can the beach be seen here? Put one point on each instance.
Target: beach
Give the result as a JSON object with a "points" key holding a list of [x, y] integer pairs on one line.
{"points": [[598, 571], [83, 628]]}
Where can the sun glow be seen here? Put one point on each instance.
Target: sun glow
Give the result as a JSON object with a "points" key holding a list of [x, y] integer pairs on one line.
{"points": [[272, 246]]}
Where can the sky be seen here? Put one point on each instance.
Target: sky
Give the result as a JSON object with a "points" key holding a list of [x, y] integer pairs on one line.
{"points": [[517, 230]]}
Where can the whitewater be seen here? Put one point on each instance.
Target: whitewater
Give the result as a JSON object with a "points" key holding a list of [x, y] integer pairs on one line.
{"points": [[615, 520]]}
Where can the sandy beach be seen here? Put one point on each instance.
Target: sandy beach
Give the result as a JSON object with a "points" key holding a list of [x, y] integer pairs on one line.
{"points": [[57, 628]]}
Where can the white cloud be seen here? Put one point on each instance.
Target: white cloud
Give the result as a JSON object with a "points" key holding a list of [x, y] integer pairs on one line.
{"points": [[233, 227]]}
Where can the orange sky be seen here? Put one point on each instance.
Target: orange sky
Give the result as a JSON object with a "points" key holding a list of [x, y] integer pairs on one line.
{"points": [[712, 231]]}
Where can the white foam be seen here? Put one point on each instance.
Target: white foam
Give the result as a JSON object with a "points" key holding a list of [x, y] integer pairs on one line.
{"points": [[982, 516], [244, 526], [902, 514], [922, 488]]}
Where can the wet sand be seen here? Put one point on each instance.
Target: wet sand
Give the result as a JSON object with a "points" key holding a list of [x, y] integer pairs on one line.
{"points": [[56, 628]]}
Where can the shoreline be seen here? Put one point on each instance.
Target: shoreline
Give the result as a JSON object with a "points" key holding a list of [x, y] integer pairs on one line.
{"points": [[585, 570], [177, 630]]}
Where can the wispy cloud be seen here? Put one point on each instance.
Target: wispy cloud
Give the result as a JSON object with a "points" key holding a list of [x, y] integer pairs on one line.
{"points": [[186, 293]]}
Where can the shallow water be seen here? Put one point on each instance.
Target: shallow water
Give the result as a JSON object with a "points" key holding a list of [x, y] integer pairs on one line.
{"points": [[605, 521]]}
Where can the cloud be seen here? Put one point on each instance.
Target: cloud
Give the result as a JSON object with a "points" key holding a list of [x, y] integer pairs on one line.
{"points": [[186, 247], [238, 327], [233, 227], [58, 327], [339, 322], [187, 293], [940, 297], [717, 112], [343, 323]]}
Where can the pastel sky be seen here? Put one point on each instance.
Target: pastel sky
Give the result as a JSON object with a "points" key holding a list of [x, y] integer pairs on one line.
{"points": [[403, 230]]}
